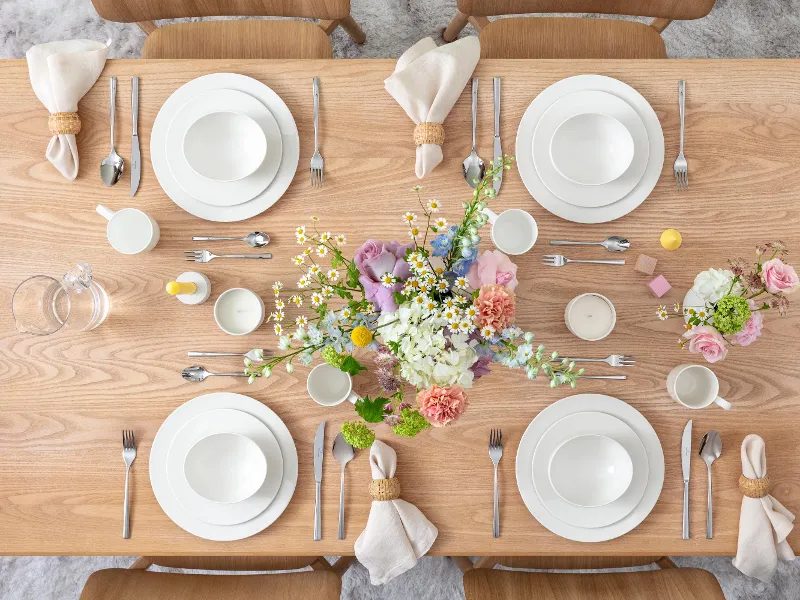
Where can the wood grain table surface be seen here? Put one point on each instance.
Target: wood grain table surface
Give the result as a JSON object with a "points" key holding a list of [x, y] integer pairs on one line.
{"points": [[64, 399]]}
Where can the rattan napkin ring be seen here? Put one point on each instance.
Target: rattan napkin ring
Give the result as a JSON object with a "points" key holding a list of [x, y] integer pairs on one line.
{"points": [[64, 123], [754, 488], [429, 133], [385, 489]]}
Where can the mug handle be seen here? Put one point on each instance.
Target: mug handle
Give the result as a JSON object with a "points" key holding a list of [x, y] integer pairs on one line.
{"points": [[353, 397], [723, 403], [104, 212], [491, 214]]}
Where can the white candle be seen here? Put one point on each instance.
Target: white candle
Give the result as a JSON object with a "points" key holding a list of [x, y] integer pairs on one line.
{"points": [[239, 311], [590, 317]]}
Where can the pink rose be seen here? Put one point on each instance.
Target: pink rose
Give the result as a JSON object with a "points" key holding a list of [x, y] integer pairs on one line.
{"points": [[778, 277], [707, 341], [751, 330], [496, 307], [374, 259], [442, 405], [493, 267]]}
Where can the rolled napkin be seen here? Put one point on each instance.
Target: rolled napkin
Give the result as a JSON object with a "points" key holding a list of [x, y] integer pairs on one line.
{"points": [[764, 522], [426, 82], [61, 73], [397, 533]]}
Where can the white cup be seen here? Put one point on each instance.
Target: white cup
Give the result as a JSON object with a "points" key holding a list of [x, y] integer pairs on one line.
{"points": [[329, 386], [130, 230], [695, 386], [514, 231]]}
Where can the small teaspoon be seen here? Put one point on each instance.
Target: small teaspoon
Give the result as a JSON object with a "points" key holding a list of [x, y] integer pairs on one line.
{"points": [[256, 239]]}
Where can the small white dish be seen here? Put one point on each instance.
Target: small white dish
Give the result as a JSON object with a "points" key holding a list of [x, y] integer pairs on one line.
{"points": [[590, 470], [225, 468], [239, 311], [591, 149], [590, 317]]}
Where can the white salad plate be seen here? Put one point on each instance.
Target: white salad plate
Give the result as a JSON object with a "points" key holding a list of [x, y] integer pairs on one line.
{"points": [[211, 423], [582, 424], [567, 109], [159, 479], [289, 158], [219, 193], [530, 176], [589, 403]]}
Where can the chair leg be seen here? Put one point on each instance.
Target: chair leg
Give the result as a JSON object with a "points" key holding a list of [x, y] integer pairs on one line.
{"points": [[660, 24], [479, 22], [328, 26], [342, 564], [141, 564], [321, 564], [353, 29], [666, 563], [147, 26], [463, 563], [485, 562], [458, 22]]}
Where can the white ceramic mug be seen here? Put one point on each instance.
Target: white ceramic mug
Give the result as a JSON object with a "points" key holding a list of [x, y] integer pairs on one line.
{"points": [[329, 386], [130, 230], [514, 231], [695, 386]]}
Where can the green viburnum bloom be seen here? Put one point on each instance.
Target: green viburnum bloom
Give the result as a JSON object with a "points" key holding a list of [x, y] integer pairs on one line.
{"points": [[332, 357], [357, 434], [412, 423], [731, 314]]}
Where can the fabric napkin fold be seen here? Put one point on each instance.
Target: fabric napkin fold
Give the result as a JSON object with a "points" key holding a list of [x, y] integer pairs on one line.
{"points": [[61, 73], [397, 533], [426, 82], [764, 523]]}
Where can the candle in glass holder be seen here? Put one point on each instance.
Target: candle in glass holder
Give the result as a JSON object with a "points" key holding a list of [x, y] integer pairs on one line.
{"points": [[590, 317], [238, 311]]}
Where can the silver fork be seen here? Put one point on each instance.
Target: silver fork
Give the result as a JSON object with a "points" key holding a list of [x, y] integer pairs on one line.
{"points": [[496, 453], [204, 256], [681, 167], [559, 260], [615, 360], [128, 455], [317, 164]]}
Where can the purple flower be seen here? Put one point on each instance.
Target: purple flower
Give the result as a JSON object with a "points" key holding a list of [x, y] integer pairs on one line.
{"points": [[392, 420], [375, 259], [481, 366], [388, 381]]}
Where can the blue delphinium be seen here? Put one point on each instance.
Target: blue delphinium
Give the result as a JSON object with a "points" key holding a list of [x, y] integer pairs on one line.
{"points": [[441, 245]]}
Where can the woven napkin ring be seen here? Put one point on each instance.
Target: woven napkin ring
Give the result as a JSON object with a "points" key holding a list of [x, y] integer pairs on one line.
{"points": [[429, 133], [64, 123], [385, 489], [754, 488]]}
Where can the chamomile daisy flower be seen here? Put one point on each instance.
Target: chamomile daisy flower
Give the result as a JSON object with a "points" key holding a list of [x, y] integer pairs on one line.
{"points": [[277, 287], [298, 300], [314, 270], [416, 188], [325, 236], [423, 287], [414, 232], [303, 282], [418, 263], [299, 259], [388, 280], [450, 303], [279, 304], [465, 326], [461, 283], [410, 218], [278, 315], [662, 313], [322, 251], [430, 279], [345, 313], [333, 275], [453, 326], [412, 283], [440, 223], [327, 291], [278, 329], [300, 230], [677, 307], [370, 309], [313, 218], [434, 205], [449, 314], [442, 285], [341, 240], [308, 251], [316, 299], [301, 321], [301, 239], [487, 332], [420, 299]]}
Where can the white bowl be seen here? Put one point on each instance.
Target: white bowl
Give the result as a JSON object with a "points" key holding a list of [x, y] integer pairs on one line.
{"points": [[239, 311], [591, 149], [225, 468], [224, 146], [590, 470]]}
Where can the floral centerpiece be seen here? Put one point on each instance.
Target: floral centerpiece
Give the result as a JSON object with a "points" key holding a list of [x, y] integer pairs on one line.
{"points": [[435, 312], [731, 302]]}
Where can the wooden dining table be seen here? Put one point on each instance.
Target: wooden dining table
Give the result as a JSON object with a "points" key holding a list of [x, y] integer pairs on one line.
{"points": [[65, 398]]}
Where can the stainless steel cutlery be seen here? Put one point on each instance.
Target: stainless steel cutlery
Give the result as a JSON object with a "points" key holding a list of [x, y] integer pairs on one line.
{"points": [[498, 149], [344, 453], [254, 354], [615, 360], [686, 465], [319, 450], [559, 260], [710, 450], [112, 166], [681, 167], [256, 239], [200, 374], [496, 453], [204, 256], [136, 157], [617, 377], [473, 167], [317, 164], [128, 455], [614, 243]]}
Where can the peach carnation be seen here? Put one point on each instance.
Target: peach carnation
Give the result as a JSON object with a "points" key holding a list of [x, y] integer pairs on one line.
{"points": [[440, 406], [496, 307]]}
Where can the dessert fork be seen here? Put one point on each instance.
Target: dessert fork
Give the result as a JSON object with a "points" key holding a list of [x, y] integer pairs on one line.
{"points": [[317, 164], [681, 167], [496, 453], [128, 455], [204, 256], [615, 360], [559, 260]]}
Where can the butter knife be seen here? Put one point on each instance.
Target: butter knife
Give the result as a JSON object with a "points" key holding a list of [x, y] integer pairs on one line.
{"points": [[136, 159], [498, 151], [686, 458], [319, 447]]}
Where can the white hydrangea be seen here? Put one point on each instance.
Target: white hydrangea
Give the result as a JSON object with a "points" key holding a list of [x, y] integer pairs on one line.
{"points": [[713, 284]]}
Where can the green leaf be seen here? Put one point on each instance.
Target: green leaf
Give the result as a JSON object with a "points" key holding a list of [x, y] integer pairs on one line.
{"points": [[352, 366], [371, 411], [395, 347], [352, 275], [336, 259], [399, 298]]}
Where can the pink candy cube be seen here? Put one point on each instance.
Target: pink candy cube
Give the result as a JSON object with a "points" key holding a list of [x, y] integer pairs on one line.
{"points": [[659, 286]]}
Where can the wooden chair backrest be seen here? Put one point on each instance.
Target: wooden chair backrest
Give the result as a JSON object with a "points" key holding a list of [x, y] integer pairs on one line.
{"points": [[665, 9], [131, 11]]}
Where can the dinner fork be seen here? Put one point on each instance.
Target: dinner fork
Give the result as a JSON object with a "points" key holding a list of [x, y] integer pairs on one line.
{"points": [[317, 164], [615, 360], [128, 455], [559, 260], [496, 453], [204, 256], [681, 167]]}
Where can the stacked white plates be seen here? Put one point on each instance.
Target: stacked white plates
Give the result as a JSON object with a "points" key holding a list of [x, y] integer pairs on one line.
{"points": [[590, 149], [590, 468], [223, 466], [224, 147]]}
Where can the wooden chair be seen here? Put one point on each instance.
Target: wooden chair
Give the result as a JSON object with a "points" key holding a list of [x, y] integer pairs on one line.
{"points": [[235, 39], [572, 37]]}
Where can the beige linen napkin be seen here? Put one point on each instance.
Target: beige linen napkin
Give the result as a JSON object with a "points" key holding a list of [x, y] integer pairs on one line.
{"points": [[397, 533], [61, 73], [427, 81], [764, 522]]}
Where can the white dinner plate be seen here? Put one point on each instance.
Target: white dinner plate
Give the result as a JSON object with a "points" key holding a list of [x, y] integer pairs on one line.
{"points": [[158, 466], [224, 421], [590, 403], [524, 149], [289, 159], [220, 193], [589, 423], [570, 106]]}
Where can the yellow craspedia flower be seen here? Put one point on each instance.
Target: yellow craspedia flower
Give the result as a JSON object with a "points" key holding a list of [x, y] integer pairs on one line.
{"points": [[361, 336]]}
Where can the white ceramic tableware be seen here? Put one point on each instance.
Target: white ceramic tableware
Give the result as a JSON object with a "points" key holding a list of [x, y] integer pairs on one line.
{"points": [[514, 231], [130, 230], [590, 317], [329, 386], [695, 386], [224, 146], [239, 311]]}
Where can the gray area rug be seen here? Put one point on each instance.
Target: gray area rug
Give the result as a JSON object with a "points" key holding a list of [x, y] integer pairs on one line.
{"points": [[734, 29]]}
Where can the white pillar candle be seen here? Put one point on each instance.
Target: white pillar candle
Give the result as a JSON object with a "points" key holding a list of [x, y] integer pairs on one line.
{"points": [[238, 311], [590, 317]]}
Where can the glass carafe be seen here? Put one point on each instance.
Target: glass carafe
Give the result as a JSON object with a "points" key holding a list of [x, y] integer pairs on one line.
{"points": [[42, 304]]}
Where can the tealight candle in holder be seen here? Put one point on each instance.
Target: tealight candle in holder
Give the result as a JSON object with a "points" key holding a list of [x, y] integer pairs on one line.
{"points": [[590, 317], [239, 311]]}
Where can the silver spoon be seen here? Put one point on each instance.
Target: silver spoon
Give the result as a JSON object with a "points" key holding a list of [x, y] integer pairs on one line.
{"points": [[344, 453], [112, 166], [710, 450], [474, 168], [254, 354], [614, 243], [199, 374], [257, 239]]}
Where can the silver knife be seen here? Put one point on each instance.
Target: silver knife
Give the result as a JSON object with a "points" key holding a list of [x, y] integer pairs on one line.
{"points": [[686, 458], [136, 158], [498, 151], [319, 446]]}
